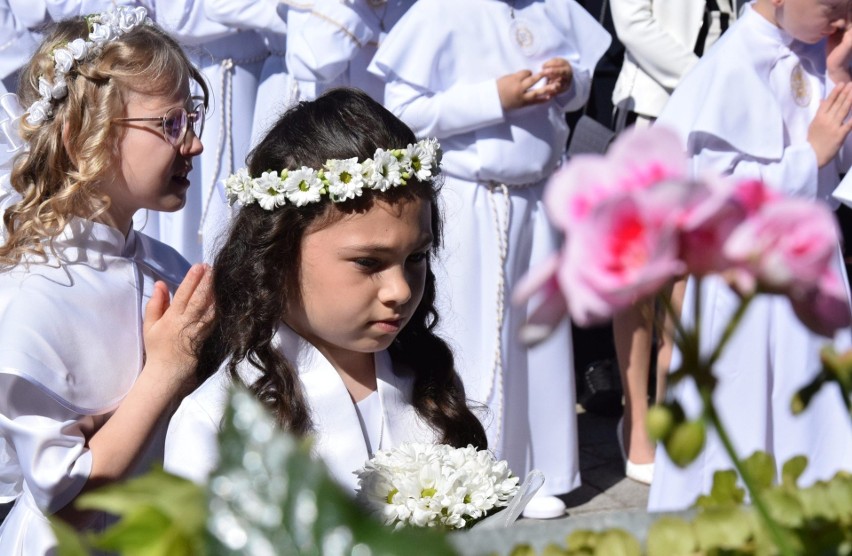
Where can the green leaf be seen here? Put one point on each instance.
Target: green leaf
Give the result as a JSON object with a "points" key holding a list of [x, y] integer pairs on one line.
{"points": [[617, 542], [671, 536], [722, 528], [553, 549], [792, 470], [71, 542], [581, 538], [724, 492], [760, 466], [177, 498], [523, 550], [784, 507]]}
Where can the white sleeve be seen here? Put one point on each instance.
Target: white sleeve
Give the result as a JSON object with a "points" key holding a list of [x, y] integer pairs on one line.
{"points": [[192, 448], [656, 51], [796, 173], [322, 45], [462, 108], [63, 9], [187, 21], [46, 442], [261, 15]]}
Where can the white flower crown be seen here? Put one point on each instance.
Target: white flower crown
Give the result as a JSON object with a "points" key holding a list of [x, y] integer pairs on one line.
{"points": [[339, 179], [103, 28]]}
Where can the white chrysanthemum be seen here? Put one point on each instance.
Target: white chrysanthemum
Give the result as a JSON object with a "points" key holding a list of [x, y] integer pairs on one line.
{"points": [[344, 177], [386, 171], [434, 485], [238, 187], [303, 186], [421, 158], [268, 190]]}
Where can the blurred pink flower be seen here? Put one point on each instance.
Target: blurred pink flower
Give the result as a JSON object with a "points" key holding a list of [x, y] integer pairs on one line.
{"points": [[714, 210], [786, 246], [621, 253], [824, 309], [637, 160]]}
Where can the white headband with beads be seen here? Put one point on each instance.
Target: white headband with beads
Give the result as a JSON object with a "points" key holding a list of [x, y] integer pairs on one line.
{"points": [[339, 179], [103, 28]]}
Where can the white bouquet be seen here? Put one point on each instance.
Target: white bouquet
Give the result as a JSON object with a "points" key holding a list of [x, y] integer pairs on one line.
{"points": [[431, 485]]}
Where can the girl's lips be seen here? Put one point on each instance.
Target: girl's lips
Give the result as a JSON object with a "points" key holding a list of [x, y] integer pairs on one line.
{"points": [[389, 326]]}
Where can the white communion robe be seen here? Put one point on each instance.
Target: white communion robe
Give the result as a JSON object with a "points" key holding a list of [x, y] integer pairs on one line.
{"points": [[333, 43], [70, 350], [231, 60], [745, 119], [441, 80], [339, 440]]}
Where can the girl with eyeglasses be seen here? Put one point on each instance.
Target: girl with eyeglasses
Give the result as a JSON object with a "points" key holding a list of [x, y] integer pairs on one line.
{"points": [[85, 385]]}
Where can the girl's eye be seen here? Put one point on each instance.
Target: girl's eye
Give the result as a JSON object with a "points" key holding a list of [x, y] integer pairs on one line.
{"points": [[367, 263], [419, 257]]}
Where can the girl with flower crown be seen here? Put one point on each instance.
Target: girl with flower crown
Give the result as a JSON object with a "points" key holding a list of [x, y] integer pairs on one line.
{"points": [[325, 294], [85, 386]]}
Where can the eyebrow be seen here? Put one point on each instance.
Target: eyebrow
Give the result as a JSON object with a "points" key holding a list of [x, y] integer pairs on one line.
{"points": [[382, 248]]}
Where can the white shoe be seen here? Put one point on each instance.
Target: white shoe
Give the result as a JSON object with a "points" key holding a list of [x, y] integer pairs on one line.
{"points": [[639, 472], [544, 507]]}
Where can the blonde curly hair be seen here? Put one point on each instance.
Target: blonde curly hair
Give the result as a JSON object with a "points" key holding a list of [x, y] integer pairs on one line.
{"points": [[57, 178]]}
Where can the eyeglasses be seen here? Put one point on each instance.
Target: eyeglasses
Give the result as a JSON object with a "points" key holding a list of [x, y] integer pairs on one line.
{"points": [[176, 121]]}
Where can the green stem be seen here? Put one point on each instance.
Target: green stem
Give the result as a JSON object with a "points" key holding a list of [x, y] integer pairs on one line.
{"points": [[756, 497], [729, 329]]}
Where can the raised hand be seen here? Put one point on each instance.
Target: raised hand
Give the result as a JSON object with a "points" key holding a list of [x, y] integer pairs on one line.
{"points": [[173, 330], [831, 124]]}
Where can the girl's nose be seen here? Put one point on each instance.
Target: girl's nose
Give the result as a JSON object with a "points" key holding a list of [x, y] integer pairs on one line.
{"points": [[395, 290], [192, 145]]}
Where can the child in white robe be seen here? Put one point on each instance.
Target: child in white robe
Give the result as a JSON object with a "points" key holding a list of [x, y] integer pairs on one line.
{"points": [[333, 42], [83, 399], [325, 309], [231, 58], [761, 105], [492, 83]]}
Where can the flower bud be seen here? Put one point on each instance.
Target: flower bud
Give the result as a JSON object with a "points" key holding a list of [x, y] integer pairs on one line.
{"points": [[660, 422], [685, 442]]}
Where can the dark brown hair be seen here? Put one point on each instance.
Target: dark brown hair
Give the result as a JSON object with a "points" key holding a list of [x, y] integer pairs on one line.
{"points": [[256, 272]]}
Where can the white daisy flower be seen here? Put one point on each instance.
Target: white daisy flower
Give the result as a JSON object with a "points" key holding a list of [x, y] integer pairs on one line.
{"points": [[344, 177], [434, 485], [386, 172], [269, 191], [238, 187], [421, 156], [303, 186]]}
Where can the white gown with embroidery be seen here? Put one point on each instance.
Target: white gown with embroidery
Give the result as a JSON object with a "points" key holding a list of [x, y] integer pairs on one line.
{"points": [[333, 42], [231, 59], [772, 354], [191, 446], [441, 80], [70, 350]]}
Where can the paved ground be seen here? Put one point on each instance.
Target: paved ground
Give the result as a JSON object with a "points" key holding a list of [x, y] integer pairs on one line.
{"points": [[605, 489]]}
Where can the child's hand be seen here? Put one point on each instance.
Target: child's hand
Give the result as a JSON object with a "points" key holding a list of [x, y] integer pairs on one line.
{"points": [[559, 74], [831, 124], [514, 90], [173, 330], [839, 55]]}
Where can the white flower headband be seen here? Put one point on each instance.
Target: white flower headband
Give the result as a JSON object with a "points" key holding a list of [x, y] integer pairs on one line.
{"points": [[103, 28], [340, 179]]}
